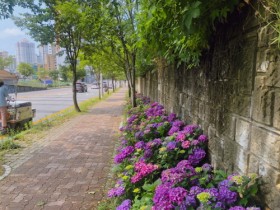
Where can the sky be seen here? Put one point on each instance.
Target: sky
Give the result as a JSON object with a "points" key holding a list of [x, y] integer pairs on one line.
{"points": [[10, 34]]}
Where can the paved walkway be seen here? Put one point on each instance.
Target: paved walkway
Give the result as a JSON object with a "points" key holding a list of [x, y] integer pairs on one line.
{"points": [[68, 169]]}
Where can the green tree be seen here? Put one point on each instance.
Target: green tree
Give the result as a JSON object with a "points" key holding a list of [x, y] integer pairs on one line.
{"points": [[42, 73], [4, 62], [25, 69], [63, 22], [115, 33], [54, 74], [64, 72]]}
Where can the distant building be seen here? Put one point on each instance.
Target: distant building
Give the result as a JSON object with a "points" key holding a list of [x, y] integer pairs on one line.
{"points": [[13, 66], [47, 57], [25, 52]]}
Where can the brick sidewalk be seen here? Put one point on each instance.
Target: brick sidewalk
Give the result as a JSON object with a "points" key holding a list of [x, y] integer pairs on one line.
{"points": [[67, 170]]}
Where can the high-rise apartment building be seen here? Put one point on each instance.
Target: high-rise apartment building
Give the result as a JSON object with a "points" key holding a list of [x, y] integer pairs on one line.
{"points": [[47, 57], [25, 52]]}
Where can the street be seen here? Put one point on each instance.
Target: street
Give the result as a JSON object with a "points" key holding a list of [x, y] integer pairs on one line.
{"points": [[47, 102]]}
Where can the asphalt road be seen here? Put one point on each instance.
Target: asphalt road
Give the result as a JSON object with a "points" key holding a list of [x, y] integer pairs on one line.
{"points": [[47, 102]]}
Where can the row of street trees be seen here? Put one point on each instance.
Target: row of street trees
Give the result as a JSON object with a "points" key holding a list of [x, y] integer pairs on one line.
{"points": [[93, 32], [121, 38]]}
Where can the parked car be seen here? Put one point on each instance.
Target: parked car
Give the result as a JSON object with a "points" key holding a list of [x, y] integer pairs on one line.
{"points": [[95, 85], [81, 87]]}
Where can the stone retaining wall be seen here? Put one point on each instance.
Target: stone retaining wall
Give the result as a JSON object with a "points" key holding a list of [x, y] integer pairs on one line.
{"points": [[235, 97]]}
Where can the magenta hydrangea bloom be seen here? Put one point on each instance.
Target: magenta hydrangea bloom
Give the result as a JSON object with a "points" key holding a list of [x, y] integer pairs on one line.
{"points": [[177, 195], [186, 144], [181, 136], [142, 169], [202, 138], [125, 205]]}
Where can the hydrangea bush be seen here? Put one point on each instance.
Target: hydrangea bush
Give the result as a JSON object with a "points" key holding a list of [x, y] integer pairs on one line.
{"points": [[161, 165]]}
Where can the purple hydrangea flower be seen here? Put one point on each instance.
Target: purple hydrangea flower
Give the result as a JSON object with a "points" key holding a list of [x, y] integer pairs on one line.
{"points": [[124, 154], [173, 130], [171, 145], [161, 197], [157, 142], [148, 153], [131, 119], [195, 190], [116, 192], [177, 195], [207, 167], [237, 208], [190, 129], [220, 205], [178, 123], [171, 117], [197, 156], [227, 196], [190, 201], [139, 134], [224, 183], [125, 205], [140, 145], [202, 138]]}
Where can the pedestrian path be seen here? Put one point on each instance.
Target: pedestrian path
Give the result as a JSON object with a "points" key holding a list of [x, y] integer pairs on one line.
{"points": [[68, 169]]}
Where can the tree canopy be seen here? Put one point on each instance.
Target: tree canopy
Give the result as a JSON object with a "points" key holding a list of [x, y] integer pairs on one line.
{"points": [[25, 69]]}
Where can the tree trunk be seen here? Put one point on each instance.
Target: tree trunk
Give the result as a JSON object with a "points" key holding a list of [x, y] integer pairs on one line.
{"points": [[133, 79], [77, 108]]}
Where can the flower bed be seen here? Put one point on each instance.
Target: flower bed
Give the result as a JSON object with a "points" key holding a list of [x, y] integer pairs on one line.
{"points": [[161, 165]]}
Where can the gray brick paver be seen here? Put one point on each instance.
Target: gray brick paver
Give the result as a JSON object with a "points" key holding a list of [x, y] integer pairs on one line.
{"points": [[58, 172]]}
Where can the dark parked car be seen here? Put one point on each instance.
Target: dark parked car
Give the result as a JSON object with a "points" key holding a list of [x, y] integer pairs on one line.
{"points": [[81, 87]]}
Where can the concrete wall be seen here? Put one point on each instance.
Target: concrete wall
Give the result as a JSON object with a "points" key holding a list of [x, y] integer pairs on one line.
{"points": [[235, 97], [19, 89]]}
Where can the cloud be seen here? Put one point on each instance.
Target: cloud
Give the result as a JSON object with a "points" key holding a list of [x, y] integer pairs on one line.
{"points": [[8, 32]]}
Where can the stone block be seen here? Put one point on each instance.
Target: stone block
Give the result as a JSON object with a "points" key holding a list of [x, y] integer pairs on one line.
{"points": [[273, 74], [241, 160], [254, 162], [242, 135], [262, 106], [229, 154], [262, 61], [225, 124], [266, 145], [201, 110], [276, 113], [242, 105]]}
